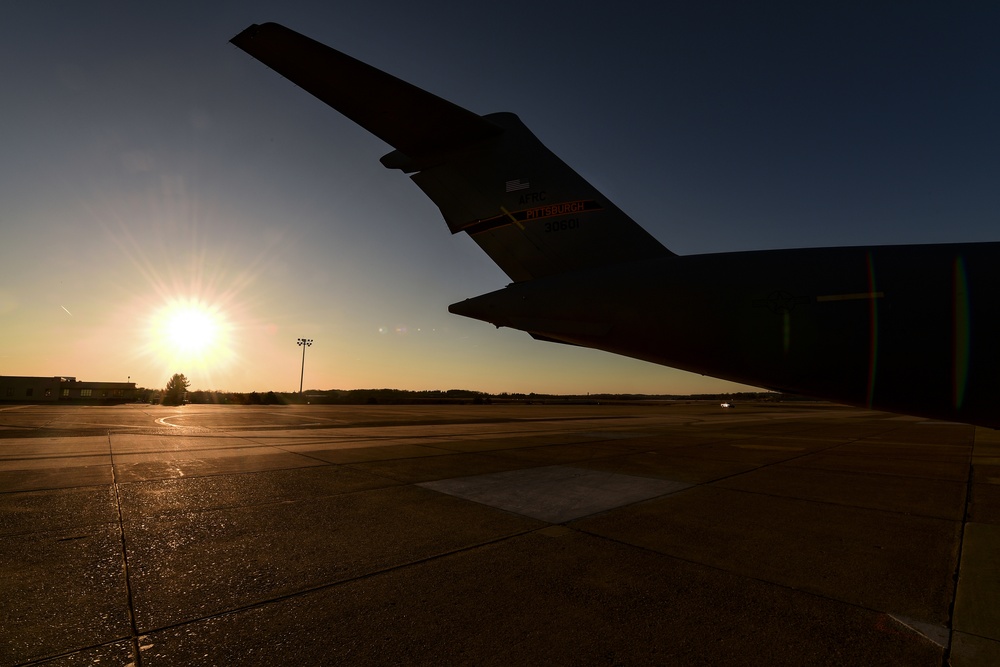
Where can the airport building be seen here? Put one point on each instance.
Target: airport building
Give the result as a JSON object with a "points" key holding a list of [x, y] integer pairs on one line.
{"points": [[63, 389]]}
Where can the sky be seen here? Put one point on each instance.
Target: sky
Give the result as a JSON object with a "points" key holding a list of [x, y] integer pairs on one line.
{"points": [[168, 204]]}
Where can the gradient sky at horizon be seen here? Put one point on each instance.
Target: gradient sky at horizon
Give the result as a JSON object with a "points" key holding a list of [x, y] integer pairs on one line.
{"points": [[146, 161]]}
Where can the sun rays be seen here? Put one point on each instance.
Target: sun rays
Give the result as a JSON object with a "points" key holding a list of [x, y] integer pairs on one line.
{"points": [[191, 335]]}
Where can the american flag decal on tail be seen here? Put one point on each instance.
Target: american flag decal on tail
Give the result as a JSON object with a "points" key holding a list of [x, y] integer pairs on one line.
{"points": [[516, 184]]}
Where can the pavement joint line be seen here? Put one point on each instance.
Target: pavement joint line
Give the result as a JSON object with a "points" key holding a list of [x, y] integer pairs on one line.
{"points": [[499, 421], [202, 449], [53, 456], [71, 652], [53, 488], [454, 439], [331, 584], [212, 474], [974, 634], [773, 463], [428, 436], [397, 482], [739, 575], [400, 425], [282, 501], [970, 480], [829, 502], [446, 452], [763, 419], [877, 473], [136, 653], [60, 530], [304, 455]]}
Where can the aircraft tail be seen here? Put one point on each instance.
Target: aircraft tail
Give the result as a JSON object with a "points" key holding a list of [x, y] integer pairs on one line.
{"points": [[489, 175]]}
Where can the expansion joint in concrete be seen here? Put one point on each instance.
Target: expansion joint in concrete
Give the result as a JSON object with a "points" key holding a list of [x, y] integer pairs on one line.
{"points": [[125, 568]]}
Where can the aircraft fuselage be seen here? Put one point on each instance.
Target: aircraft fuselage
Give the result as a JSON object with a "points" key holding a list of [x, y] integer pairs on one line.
{"points": [[893, 327]]}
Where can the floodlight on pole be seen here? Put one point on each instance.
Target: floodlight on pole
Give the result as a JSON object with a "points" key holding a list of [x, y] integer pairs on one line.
{"points": [[303, 343]]}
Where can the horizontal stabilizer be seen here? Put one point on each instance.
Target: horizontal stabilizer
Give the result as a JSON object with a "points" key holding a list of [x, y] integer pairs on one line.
{"points": [[407, 118]]}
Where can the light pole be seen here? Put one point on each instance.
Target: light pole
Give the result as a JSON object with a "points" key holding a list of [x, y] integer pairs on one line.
{"points": [[303, 343]]}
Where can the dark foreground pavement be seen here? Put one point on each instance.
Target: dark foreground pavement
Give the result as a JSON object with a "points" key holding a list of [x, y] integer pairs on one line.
{"points": [[496, 535]]}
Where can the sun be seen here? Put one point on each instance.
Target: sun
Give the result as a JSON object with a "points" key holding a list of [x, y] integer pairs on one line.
{"points": [[191, 329], [190, 333]]}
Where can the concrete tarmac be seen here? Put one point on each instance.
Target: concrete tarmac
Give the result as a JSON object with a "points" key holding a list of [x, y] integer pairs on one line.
{"points": [[678, 534]]}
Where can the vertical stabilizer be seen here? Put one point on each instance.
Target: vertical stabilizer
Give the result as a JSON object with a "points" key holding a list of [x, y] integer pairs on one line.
{"points": [[489, 175], [531, 213]]}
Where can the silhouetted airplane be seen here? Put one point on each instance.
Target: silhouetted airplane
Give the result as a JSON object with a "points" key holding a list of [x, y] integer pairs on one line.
{"points": [[911, 329]]}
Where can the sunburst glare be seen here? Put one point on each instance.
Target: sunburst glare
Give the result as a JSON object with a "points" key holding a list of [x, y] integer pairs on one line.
{"points": [[189, 333], [188, 305]]}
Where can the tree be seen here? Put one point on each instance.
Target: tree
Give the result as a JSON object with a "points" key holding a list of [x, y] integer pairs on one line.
{"points": [[176, 389]]}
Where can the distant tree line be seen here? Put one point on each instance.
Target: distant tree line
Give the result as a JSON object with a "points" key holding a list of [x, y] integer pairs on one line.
{"points": [[339, 397], [174, 396]]}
